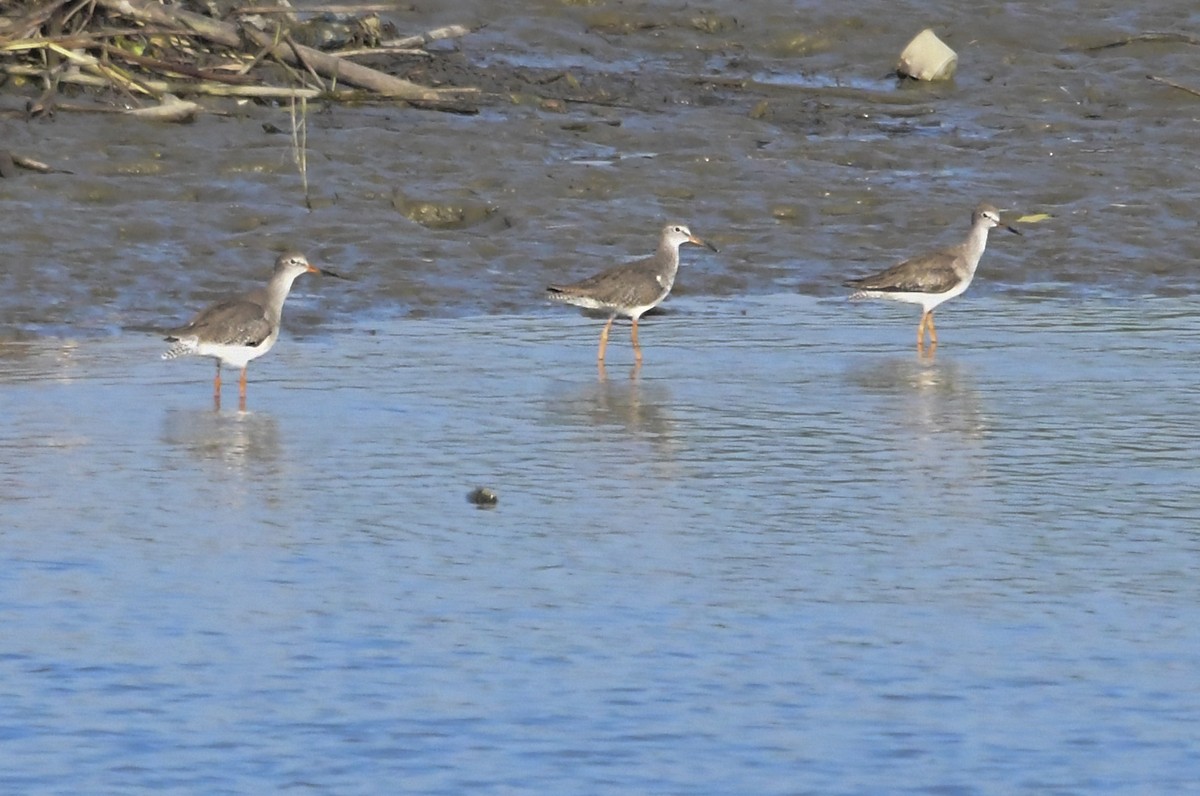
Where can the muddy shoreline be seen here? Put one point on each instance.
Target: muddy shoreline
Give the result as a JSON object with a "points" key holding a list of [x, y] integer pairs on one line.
{"points": [[781, 136]]}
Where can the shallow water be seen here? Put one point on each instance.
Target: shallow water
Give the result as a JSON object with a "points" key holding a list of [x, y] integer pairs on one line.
{"points": [[788, 555]]}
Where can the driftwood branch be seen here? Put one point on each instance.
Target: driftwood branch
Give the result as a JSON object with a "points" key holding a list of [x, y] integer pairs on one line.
{"points": [[337, 8], [328, 66], [161, 87], [9, 162], [171, 109], [421, 39], [174, 67], [1173, 84], [359, 51], [151, 13], [1151, 37], [408, 45]]}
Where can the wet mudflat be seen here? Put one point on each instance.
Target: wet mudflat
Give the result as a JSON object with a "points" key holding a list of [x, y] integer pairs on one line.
{"points": [[788, 555]]}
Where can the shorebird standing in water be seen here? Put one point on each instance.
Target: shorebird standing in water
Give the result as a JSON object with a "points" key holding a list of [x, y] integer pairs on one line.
{"points": [[933, 278], [240, 329], [632, 288]]}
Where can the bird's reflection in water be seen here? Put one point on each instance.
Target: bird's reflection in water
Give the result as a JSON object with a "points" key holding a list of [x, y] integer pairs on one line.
{"points": [[247, 442], [933, 422], [617, 406], [925, 395]]}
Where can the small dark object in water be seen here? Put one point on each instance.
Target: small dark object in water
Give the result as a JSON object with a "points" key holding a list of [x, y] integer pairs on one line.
{"points": [[483, 497]]}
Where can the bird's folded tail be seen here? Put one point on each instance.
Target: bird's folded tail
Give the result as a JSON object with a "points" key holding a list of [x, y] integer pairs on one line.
{"points": [[568, 294], [179, 347]]}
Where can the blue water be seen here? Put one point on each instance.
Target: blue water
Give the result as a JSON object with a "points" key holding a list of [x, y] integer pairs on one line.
{"points": [[787, 556]]}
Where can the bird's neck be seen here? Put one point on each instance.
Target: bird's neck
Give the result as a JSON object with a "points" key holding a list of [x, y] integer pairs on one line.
{"points": [[277, 293], [976, 243], [668, 256]]}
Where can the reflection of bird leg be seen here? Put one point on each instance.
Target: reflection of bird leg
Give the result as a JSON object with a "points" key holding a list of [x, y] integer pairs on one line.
{"points": [[604, 340], [637, 347]]}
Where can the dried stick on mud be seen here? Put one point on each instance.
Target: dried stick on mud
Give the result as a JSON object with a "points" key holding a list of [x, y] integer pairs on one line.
{"points": [[328, 66], [1155, 37], [300, 145], [421, 39], [161, 87], [1173, 84]]}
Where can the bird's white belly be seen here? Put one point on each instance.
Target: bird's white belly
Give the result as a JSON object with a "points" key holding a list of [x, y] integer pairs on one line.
{"points": [[637, 312], [928, 301], [589, 303], [237, 356]]}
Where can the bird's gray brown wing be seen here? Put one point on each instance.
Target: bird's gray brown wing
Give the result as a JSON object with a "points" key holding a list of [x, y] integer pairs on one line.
{"points": [[928, 273], [237, 321], [622, 285]]}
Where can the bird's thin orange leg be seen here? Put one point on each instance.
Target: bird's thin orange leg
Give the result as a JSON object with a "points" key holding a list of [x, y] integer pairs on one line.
{"points": [[242, 391], [932, 332], [217, 387], [921, 331], [637, 347], [604, 340]]}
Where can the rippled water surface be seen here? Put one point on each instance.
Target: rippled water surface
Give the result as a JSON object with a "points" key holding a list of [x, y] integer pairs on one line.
{"points": [[788, 555]]}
